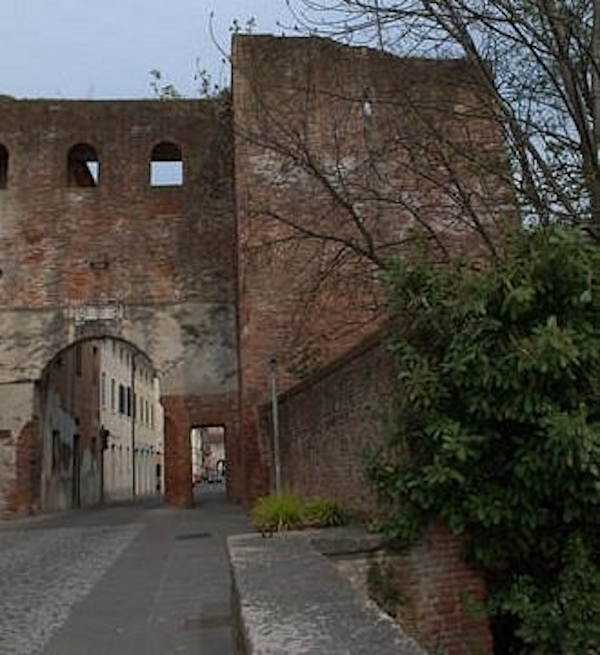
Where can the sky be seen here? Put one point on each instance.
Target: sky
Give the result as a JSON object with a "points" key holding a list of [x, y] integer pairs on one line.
{"points": [[94, 50]]}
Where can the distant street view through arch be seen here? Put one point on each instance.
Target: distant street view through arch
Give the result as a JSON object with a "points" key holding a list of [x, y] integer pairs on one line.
{"points": [[101, 426]]}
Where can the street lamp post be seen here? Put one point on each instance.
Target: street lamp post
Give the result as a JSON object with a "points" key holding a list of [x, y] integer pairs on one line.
{"points": [[275, 418], [133, 412]]}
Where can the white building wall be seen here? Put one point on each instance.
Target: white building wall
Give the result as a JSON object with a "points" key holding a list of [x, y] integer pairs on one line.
{"points": [[196, 443], [130, 410]]}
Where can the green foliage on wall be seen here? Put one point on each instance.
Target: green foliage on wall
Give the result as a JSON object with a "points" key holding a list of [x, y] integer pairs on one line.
{"points": [[384, 588], [497, 429]]}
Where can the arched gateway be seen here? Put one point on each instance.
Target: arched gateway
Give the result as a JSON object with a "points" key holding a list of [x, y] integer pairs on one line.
{"points": [[85, 255]]}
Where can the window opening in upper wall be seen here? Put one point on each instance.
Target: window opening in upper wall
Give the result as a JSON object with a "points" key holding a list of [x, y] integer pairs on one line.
{"points": [[166, 165], [3, 167], [83, 166]]}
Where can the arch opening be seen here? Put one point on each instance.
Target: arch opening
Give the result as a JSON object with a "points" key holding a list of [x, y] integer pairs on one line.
{"points": [[83, 166], [101, 425], [209, 458]]}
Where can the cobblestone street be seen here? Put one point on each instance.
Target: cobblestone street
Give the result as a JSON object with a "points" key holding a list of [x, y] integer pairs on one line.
{"points": [[132, 579]]}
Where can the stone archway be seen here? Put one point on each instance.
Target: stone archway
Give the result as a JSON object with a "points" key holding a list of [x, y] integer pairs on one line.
{"points": [[193, 391], [100, 425]]}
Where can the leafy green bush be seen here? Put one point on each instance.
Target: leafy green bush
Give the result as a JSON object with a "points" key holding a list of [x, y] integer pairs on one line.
{"points": [[497, 429], [277, 513]]}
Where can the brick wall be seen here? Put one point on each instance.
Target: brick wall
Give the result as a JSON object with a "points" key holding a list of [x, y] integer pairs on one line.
{"points": [[328, 422], [443, 596], [161, 259], [342, 156], [23, 495], [215, 278], [19, 437], [183, 414]]}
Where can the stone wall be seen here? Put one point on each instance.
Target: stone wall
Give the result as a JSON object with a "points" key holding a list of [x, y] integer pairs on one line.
{"points": [[317, 611]]}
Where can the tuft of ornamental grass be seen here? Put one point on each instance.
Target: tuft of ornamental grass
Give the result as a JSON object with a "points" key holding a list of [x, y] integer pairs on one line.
{"points": [[277, 512], [325, 513], [286, 511]]}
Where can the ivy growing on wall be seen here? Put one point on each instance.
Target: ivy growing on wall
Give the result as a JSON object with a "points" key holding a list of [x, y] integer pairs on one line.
{"points": [[497, 430]]}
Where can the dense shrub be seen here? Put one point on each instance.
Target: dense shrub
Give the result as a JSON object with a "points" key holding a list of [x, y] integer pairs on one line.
{"points": [[497, 430]]}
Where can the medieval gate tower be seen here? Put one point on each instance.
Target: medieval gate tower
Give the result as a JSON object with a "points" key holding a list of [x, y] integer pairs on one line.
{"points": [[90, 247]]}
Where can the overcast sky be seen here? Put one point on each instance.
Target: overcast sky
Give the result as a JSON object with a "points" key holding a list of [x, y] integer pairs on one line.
{"points": [[106, 49]]}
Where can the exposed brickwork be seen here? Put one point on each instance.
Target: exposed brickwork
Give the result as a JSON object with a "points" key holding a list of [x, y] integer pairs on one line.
{"points": [[211, 283], [161, 260], [183, 414], [434, 597], [123, 239], [188, 269], [442, 597], [328, 422], [360, 146], [23, 495]]}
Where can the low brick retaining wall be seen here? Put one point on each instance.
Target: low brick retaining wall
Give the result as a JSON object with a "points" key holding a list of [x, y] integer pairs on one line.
{"points": [[288, 597]]}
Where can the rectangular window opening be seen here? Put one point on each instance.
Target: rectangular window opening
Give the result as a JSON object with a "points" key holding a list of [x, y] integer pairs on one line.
{"points": [[103, 390], [122, 400], [166, 173], [78, 360]]}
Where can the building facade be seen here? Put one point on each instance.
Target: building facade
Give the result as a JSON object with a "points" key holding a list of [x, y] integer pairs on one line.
{"points": [[344, 157], [102, 426], [132, 422], [94, 245], [208, 454]]}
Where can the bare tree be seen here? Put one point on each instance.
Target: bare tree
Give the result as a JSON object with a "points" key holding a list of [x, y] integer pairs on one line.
{"points": [[537, 59], [349, 156]]}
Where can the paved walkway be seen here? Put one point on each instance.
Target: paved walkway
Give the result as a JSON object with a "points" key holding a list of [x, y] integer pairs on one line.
{"points": [[139, 579]]}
